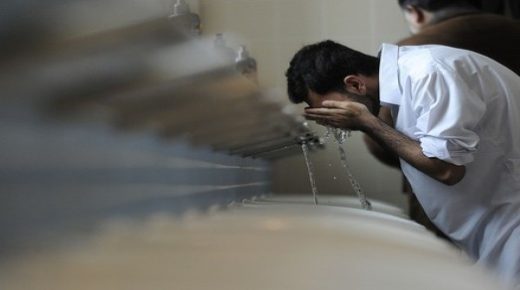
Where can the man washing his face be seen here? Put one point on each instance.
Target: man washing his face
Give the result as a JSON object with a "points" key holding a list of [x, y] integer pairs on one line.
{"points": [[454, 126]]}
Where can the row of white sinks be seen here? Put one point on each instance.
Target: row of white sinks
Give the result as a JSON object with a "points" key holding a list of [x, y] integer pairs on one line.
{"points": [[270, 243]]}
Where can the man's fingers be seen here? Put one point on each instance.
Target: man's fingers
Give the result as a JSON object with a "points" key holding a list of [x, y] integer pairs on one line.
{"points": [[316, 111], [317, 117], [323, 111], [333, 104]]}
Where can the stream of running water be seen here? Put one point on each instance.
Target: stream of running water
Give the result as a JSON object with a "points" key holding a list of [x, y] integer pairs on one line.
{"points": [[310, 170], [341, 136]]}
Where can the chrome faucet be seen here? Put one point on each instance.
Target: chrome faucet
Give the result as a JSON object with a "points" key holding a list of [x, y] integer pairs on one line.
{"points": [[186, 20]]}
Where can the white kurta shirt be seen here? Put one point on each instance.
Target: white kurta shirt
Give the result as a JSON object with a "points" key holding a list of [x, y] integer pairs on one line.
{"points": [[463, 108]]}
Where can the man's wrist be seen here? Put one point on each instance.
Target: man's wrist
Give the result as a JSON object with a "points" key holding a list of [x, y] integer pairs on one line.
{"points": [[369, 123]]}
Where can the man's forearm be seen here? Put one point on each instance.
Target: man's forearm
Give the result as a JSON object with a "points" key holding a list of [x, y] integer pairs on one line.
{"points": [[356, 116], [379, 150], [381, 153], [411, 151]]}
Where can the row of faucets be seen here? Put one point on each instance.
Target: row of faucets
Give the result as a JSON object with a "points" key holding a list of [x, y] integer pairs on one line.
{"points": [[191, 24], [149, 74]]}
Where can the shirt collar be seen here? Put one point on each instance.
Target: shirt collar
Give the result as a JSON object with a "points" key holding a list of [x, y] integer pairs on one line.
{"points": [[389, 91]]}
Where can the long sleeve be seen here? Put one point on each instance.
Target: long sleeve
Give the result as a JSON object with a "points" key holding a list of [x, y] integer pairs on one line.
{"points": [[447, 113]]}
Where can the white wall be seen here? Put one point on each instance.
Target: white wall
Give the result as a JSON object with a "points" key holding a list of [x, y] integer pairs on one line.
{"points": [[274, 30]]}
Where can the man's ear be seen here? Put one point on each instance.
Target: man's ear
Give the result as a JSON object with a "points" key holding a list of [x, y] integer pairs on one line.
{"points": [[354, 84]]}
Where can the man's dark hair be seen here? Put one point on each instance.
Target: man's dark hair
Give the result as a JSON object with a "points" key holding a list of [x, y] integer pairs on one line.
{"points": [[321, 68], [435, 5]]}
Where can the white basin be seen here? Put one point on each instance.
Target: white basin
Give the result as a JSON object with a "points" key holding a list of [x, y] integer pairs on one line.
{"points": [[280, 247], [332, 200]]}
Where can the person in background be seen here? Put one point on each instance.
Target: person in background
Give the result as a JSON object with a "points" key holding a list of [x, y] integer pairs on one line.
{"points": [[510, 8], [455, 116], [456, 23]]}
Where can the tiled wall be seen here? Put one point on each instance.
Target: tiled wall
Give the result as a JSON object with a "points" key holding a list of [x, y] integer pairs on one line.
{"points": [[274, 30]]}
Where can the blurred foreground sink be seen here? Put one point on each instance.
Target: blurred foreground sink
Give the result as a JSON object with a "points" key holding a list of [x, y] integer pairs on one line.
{"points": [[286, 247]]}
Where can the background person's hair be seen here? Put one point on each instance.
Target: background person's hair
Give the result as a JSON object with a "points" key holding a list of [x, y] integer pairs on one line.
{"points": [[321, 68], [435, 5]]}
